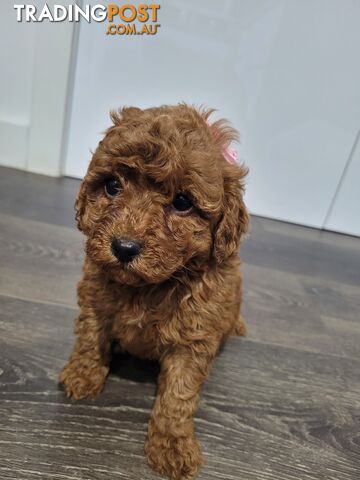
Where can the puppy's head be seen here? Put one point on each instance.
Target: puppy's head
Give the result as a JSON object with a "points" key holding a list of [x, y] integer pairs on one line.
{"points": [[159, 197]]}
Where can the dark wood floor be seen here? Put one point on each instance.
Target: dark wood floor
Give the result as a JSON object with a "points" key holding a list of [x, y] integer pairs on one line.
{"points": [[281, 404]]}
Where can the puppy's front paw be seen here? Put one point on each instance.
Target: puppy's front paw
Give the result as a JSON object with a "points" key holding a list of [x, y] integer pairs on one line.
{"points": [[177, 457], [82, 380]]}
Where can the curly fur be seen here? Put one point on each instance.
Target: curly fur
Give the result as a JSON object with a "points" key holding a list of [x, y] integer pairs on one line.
{"points": [[179, 300]]}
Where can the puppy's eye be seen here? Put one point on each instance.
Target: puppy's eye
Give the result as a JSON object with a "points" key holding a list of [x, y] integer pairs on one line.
{"points": [[182, 203], [112, 187]]}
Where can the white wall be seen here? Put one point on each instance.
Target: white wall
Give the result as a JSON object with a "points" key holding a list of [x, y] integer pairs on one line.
{"points": [[283, 71]]}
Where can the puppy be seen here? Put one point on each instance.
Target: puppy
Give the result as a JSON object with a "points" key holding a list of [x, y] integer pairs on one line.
{"points": [[162, 209]]}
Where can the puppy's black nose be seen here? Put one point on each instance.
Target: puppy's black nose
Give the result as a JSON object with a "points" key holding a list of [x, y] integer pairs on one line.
{"points": [[125, 250]]}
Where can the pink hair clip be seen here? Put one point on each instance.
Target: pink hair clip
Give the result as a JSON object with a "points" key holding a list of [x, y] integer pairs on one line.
{"points": [[230, 154]]}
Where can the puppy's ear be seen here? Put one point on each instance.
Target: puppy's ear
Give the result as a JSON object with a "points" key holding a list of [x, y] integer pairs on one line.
{"points": [[80, 206], [235, 218]]}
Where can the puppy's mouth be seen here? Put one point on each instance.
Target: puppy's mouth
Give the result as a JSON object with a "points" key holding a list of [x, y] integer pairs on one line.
{"points": [[124, 273], [138, 272]]}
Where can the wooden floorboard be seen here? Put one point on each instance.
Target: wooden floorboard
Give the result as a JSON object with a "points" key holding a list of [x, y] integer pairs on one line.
{"points": [[266, 412], [38, 197], [281, 404], [40, 261]]}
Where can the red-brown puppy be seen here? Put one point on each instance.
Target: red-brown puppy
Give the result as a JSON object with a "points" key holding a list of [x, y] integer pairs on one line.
{"points": [[163, 214]]}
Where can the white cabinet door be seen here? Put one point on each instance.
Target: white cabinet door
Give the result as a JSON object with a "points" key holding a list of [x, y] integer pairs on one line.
{"points": [[35, 60], [16, 60], [283, 71]]}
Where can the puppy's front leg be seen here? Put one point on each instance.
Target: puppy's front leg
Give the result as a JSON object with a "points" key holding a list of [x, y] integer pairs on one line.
{"points": [[171, 446], [85, 373]]}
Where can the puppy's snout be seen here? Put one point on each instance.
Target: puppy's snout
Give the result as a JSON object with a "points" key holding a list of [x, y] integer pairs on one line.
{"points": [[125, 250]]}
